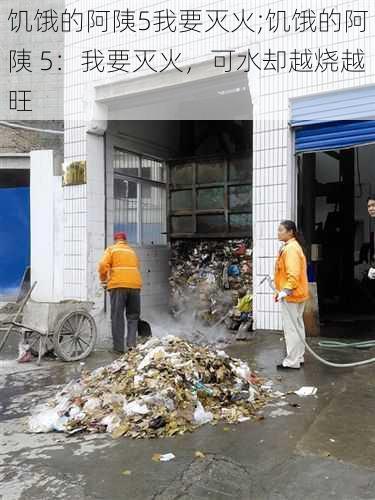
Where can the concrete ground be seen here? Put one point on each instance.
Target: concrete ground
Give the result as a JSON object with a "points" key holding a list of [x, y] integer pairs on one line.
{"points": [[312, 448]]}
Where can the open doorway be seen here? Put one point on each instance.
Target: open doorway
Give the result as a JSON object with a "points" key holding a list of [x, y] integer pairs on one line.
{"points": [[333, 191], [169, 181]]}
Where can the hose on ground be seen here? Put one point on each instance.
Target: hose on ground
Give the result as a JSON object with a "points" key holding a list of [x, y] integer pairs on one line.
{"points": [[314, 354], [335, 344], [325, 361]]}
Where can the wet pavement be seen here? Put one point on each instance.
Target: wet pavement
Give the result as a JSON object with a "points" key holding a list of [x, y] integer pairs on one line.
{"points": [[306, 448]]}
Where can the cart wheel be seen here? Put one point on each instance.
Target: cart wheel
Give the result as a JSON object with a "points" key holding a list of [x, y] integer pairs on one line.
{"points": [[75, 336]]}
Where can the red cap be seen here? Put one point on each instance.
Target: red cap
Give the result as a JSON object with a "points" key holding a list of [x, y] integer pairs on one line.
{"points": [[121, 236]]}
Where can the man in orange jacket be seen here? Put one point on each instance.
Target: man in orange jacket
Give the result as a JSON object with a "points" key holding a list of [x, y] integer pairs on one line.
{"points": [[119, 272]]}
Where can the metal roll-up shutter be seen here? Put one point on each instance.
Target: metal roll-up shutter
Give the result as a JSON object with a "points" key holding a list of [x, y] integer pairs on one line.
{"points": [[336, 120], [334, 135]]}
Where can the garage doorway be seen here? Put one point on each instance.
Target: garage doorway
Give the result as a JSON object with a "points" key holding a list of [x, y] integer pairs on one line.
{"points": [[333, 187]]}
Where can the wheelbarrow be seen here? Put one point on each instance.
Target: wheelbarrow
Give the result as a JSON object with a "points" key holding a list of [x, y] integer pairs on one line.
{"points": [[71, 337]]}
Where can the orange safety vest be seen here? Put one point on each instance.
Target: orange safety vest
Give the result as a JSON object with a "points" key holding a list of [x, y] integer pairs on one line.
{"points": [[291, 272], [119, 267]]}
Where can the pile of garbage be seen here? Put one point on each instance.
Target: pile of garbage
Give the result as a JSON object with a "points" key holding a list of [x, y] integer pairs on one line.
{"points": [[162, 388], [206, 277]]}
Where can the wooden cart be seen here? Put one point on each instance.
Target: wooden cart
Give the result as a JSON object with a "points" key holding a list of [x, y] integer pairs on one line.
{"points": [[72, 336]]}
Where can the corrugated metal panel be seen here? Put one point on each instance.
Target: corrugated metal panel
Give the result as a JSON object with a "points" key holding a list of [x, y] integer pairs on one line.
{"points": [[357, 104], [15, 239], [334, 135], [335, 120]]}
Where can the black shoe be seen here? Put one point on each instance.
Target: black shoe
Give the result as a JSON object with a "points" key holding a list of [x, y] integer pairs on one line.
{"points": [[118, 351], [282, 367]]}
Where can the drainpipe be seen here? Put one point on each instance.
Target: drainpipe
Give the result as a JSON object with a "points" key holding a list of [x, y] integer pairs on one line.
{"points": [[105, 205]]}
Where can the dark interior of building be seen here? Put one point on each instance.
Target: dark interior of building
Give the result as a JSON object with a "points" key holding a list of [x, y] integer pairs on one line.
{"points": [[333, 190], [14, 178]]}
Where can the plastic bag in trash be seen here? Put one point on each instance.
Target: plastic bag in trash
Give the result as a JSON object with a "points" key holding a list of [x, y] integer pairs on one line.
{"points": [[242, 371], [135, 408], [45, 421], [24, 353], [111, 422], [92, 404], [201, 416], [158, 353]]}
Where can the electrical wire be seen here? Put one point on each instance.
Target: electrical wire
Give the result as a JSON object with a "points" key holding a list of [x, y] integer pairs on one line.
{"points": [[33, 129]]}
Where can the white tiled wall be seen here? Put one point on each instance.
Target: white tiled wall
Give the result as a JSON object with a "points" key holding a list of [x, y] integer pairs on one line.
{"points": [[273, 160], [75, 242]]}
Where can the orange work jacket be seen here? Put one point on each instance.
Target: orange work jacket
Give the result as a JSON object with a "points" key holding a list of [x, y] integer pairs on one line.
{"points": [[291, 272], [119, 267]]}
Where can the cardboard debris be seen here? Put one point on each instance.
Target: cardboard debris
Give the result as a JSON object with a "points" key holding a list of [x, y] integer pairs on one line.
{"points": [[165, 387], [206, 276]]}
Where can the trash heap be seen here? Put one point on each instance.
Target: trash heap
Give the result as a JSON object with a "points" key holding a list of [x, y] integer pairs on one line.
{"points": [[162, 388], [206, 275]]}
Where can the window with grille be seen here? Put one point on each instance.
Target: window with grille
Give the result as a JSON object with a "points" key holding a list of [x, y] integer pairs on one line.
{"points": [[140, 198]]}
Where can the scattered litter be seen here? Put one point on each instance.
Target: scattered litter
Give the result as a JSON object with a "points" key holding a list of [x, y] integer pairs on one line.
{"points": [[243, 419], [199, 454], [164, 387], [279, 394], [306, 391], [294, 405], [127, 473], [24, 353], [279, 403], [333, 440], [47, 420], [280, 413], [163, 458]]}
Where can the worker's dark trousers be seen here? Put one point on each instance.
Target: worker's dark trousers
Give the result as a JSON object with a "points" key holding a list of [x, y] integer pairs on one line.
{"points": [[129, 300]]}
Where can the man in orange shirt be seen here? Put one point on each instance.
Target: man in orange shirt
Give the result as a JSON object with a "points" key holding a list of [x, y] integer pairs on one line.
{"points": [[119, 272]]}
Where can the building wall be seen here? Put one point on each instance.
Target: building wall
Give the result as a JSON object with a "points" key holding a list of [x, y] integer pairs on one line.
{"points": [[274, 174], [46, 215], [18, 140]]}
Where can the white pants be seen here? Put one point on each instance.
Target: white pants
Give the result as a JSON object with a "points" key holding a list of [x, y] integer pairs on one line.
{"points": [[292, 315]]}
